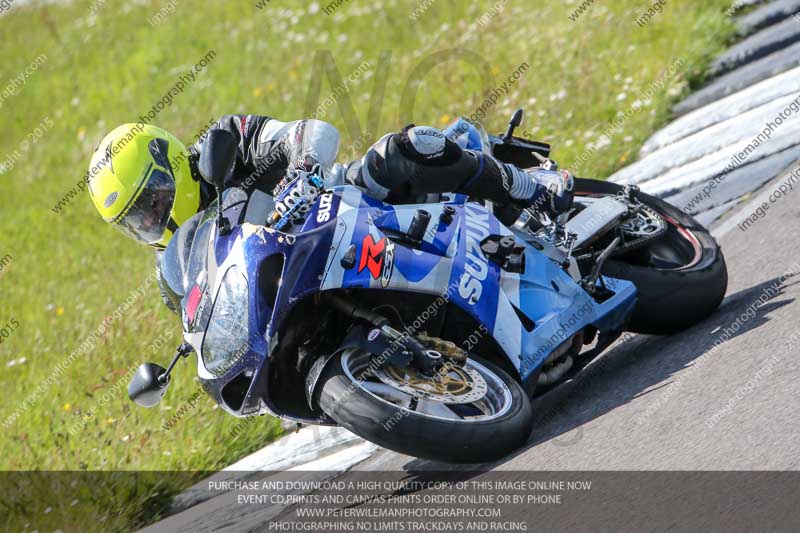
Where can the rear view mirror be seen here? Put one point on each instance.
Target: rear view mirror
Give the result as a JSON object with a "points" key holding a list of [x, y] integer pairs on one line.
{"points": [[516, 120], [217, 157], [145, 388]]}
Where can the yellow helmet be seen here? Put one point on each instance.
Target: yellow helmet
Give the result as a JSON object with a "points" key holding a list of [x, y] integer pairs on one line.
{"points": [[141, 182]]}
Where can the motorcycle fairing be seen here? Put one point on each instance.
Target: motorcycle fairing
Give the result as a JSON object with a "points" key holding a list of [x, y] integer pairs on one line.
{"points": [[448, 261]]}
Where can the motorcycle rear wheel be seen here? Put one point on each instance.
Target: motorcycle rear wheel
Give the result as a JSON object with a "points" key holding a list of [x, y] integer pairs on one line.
{"points": [[680, 276], [360, 401]]}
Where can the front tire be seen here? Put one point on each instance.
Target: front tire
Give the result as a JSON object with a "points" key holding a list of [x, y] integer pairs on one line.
{"points": [[389, 417], [681, 276]]}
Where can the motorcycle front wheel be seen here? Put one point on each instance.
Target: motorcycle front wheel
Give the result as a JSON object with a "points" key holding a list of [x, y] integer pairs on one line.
{"points": [[473, 413]]}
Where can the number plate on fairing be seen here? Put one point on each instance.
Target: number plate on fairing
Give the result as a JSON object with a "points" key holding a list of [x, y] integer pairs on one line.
{"points": [[596, 219]]}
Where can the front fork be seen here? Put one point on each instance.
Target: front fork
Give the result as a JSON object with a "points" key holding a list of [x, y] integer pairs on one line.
{"points": [[389, 346], [376, 336]]}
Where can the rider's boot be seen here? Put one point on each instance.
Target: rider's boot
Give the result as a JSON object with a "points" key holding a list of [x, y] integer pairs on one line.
{"points": [[549, 191]]}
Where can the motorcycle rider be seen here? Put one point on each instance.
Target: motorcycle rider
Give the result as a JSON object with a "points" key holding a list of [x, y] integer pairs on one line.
{"points": [[146, 183]]}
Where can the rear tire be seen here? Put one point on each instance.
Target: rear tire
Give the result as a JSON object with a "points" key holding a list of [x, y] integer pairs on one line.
{"points": [[669, 299]]}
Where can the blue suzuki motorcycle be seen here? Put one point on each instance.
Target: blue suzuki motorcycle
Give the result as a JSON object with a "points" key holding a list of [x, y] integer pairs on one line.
{"points": [[425, 328]]}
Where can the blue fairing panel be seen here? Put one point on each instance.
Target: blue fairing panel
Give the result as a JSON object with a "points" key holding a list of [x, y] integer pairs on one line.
{"points": [[450, 263], [349, 240]]}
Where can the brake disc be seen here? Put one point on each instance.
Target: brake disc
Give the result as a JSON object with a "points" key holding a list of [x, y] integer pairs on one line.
{"points": [[455, 386], [454, 383]]}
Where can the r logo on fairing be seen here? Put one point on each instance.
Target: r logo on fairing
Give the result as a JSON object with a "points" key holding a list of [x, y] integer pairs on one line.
{"points": [[378, 258]]}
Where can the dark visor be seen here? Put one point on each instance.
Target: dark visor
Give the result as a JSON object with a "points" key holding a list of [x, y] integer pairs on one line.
{"points": [[148, 217]]}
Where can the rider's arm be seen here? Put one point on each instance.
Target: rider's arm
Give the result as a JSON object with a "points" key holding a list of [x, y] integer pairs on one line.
{"points": [[268, 148]]}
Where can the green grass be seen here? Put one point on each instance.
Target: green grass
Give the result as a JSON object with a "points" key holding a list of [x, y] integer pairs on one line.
{"points": [[69, 271]]}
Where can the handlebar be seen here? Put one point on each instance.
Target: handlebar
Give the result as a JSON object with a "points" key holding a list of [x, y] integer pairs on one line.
{"points": [[280, 221]]}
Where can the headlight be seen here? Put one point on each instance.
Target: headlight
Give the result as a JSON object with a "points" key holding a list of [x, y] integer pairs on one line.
{"points": [[227, 334]]}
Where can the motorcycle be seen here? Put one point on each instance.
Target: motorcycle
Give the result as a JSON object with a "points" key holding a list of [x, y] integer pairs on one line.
{"points": [[425, 328]]}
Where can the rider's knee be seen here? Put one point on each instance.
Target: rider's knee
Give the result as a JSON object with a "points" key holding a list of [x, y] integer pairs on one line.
{"points": [[369, 172]]}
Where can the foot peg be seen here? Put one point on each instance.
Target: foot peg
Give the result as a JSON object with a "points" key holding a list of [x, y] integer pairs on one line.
{"points": [[589, 284]]}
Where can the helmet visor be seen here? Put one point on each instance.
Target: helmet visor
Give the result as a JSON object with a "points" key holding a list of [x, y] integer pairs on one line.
{"points": [[148, 217]]}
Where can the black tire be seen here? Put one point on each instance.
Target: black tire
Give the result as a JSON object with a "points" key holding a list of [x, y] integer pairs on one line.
{"points": [[670, 299], [418, 435]]}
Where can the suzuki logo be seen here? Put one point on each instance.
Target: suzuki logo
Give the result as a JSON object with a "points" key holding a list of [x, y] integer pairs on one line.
{"points": [[476, 266], [324, 210]]}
